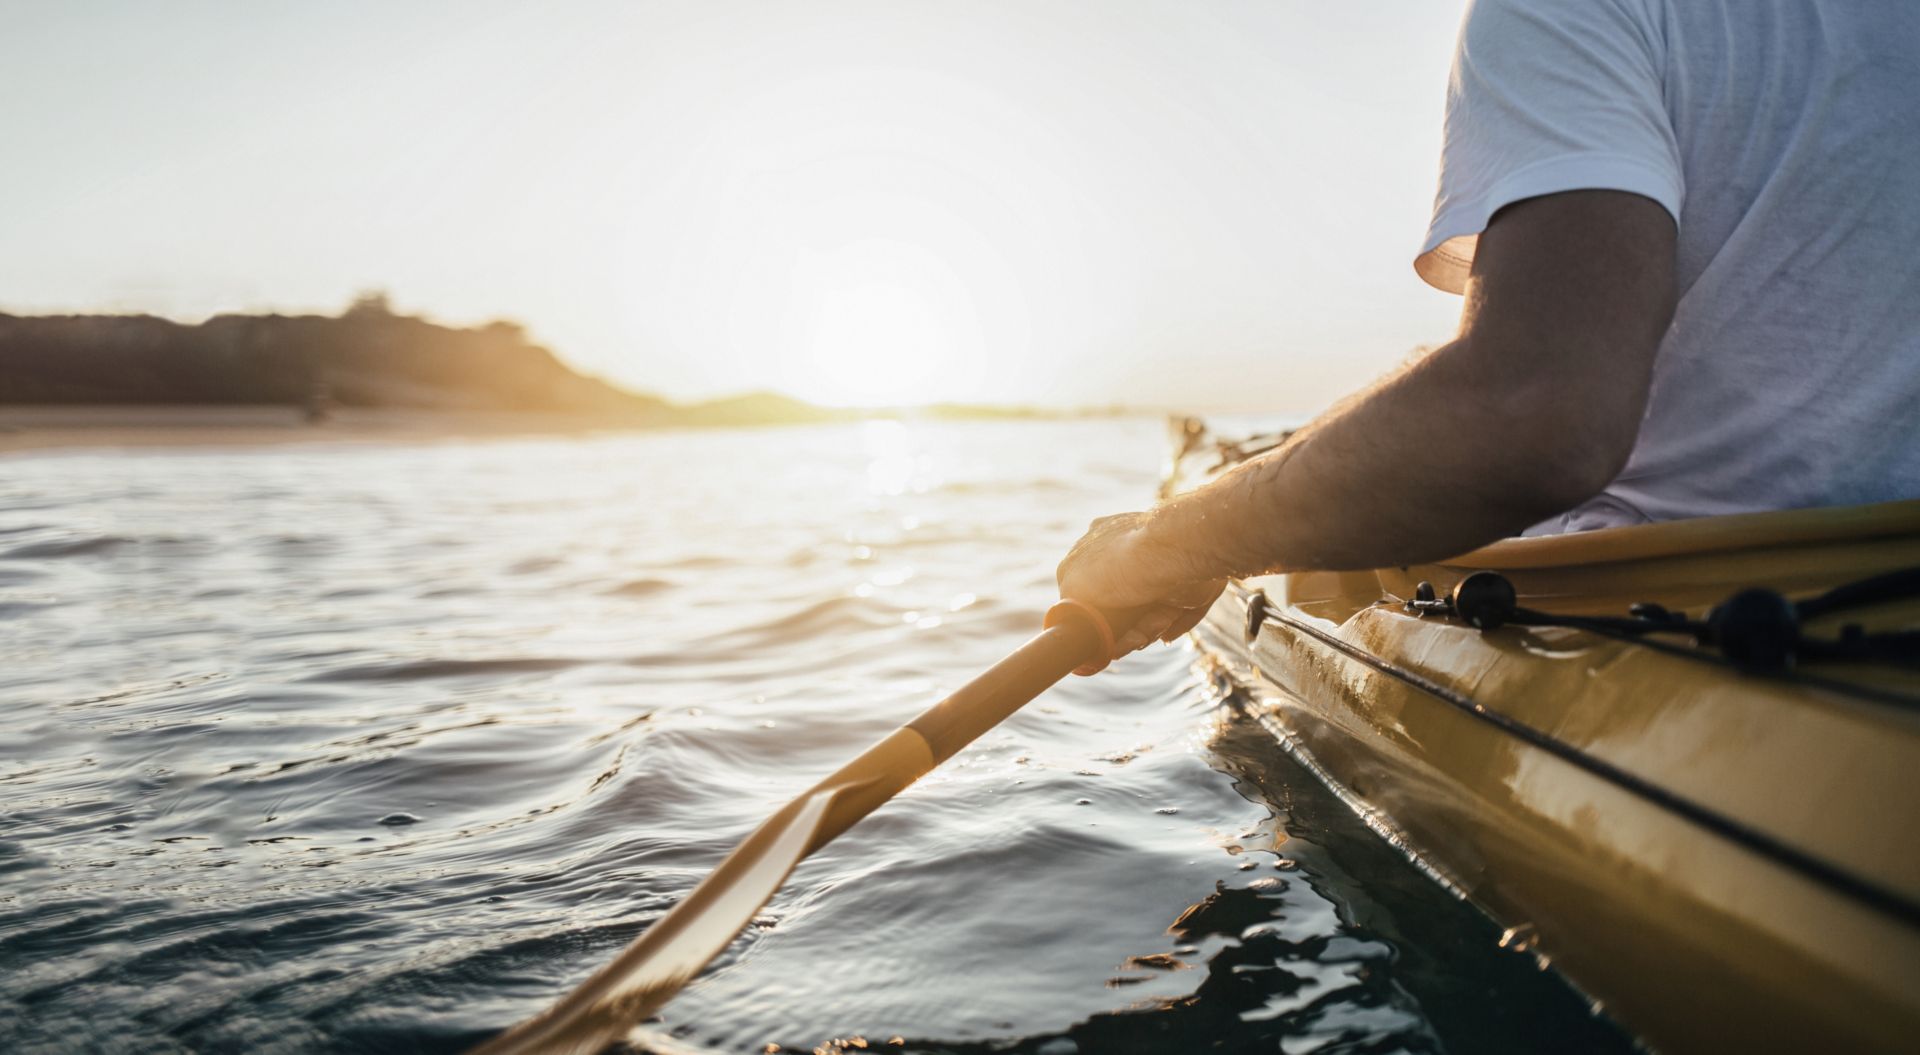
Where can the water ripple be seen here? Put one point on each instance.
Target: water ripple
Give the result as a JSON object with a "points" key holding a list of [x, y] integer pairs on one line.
{"points": [[419, 669]]}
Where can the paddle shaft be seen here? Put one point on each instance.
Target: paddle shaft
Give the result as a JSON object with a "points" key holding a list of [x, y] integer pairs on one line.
{"points": [[1004, 688], [958, 720], [678, 945]]}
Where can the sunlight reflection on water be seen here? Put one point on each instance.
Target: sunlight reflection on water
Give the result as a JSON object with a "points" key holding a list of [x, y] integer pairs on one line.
{"points": [[382, 747]]}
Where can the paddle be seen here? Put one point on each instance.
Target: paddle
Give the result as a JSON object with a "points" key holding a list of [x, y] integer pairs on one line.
{"points": [[667, 955]]}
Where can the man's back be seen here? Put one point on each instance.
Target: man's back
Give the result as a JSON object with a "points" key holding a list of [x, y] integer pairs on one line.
{"points": [[1785, 138]]}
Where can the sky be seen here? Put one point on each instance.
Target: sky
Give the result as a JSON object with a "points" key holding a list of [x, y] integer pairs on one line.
{"points": [[1197, 205]]}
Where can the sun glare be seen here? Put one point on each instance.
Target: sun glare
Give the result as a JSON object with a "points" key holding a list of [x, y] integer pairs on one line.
{"points": [[873, 344]]}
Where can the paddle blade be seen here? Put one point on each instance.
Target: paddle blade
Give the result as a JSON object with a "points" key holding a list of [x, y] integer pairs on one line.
{"points": [[668, 954], [671, 952]]}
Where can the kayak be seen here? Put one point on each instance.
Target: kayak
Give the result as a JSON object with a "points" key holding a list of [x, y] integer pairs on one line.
{"points": [[1678, 761]]}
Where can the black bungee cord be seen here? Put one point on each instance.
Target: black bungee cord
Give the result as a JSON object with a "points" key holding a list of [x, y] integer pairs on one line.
{"points": [[1758, 630]]}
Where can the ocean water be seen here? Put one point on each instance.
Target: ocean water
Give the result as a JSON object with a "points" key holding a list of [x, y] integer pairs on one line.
{"points": [[367, 747]]}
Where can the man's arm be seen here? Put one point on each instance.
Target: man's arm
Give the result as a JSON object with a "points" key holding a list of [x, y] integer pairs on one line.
{"points": [[1530, 410]]}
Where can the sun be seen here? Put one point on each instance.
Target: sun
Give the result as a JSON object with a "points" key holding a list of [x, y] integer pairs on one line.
{"points": [[873, 343]]}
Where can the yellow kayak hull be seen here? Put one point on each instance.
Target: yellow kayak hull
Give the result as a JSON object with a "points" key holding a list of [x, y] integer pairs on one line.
{"points": [[1723, 861]]}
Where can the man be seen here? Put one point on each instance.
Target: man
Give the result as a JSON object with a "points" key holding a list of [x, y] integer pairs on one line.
{"points": [[1688, 232]]}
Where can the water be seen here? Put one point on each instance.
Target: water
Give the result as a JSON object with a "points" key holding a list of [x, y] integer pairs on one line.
{"points": [[380, 748]]}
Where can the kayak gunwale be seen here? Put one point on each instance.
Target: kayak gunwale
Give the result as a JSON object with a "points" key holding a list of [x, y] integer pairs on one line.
{"points": [[1730, 533]]}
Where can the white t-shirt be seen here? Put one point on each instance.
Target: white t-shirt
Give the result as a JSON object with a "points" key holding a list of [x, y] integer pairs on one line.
{"points": [[1784, 137]]}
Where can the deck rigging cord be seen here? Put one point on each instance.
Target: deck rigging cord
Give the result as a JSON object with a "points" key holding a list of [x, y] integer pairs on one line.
{"points": [[1757, 629]]}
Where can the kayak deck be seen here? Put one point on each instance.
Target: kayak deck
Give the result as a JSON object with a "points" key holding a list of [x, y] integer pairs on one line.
{"points": [[1718, 858]]}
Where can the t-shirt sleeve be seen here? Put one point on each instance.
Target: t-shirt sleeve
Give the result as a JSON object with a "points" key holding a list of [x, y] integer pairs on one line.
{"points": [[1548, 96]]}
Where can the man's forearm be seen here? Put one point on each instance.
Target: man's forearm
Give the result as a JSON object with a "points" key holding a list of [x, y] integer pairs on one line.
{"points": [[1428, 464]]}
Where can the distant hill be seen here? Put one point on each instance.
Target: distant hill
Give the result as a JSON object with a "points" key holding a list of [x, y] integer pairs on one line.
{"points": [[367, 357], [764, 408]]}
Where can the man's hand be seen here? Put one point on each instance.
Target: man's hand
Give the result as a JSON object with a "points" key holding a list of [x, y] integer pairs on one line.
{"points": [[1120, 565]]}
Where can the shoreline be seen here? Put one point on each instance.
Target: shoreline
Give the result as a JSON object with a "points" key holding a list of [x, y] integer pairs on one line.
{"points": [[29, 429]]}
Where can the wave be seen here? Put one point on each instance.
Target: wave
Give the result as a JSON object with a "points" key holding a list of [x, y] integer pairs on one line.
{"points": [[832, 615], [80, 547], [639, 588], [427, 669]]}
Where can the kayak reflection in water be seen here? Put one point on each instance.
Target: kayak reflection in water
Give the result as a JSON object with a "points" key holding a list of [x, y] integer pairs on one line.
{"points": [[1684, 296]]}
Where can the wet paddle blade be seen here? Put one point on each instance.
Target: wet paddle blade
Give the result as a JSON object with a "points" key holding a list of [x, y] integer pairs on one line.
{"points": [[670, 953]]}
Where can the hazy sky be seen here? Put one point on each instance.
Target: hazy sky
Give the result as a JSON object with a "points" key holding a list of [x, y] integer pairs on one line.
{"points": [[1201, 204]]}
